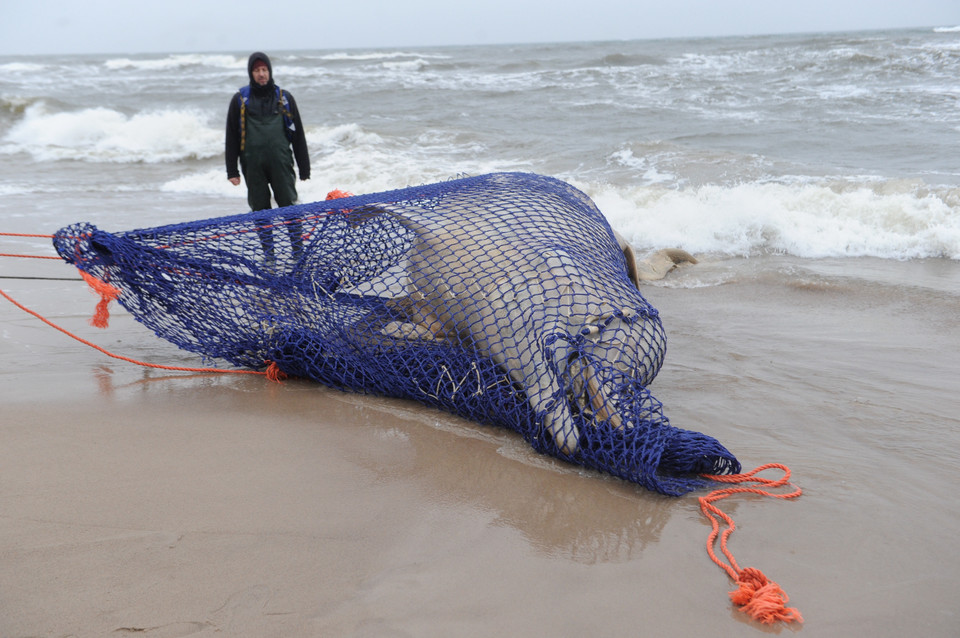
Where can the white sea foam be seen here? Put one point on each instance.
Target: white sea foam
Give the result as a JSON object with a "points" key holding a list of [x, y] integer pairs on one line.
{"points": [[22, 67], [417, 64], [805, 218], [172, 62], [348, 157], [206, 182], [105, 135], [810, 220], [378, 55], [14, 189]]}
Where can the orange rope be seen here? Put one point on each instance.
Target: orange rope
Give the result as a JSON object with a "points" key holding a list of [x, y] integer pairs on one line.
{"points": [[110, 293], [272, 372], [757, 596], [107, 294], [25, 235], [28, 256]]}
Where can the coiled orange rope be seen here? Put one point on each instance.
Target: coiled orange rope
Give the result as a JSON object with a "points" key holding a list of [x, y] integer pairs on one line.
{"points": [[756, 595], [338, 194]]}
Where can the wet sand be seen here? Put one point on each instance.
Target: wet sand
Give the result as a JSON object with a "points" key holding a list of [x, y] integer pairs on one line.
{"points": [[141, 502]]}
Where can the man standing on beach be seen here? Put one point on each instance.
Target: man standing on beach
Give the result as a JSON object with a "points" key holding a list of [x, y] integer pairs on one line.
{"points": [[263, 122]]}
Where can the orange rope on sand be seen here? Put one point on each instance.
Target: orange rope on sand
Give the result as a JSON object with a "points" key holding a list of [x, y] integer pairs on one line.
{"points": [[272, 372], [26, 235], [28, 256], [757, 596], [100, 319]]}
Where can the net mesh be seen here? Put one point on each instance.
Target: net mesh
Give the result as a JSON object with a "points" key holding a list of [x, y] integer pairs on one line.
{"points": [[504, 298]]}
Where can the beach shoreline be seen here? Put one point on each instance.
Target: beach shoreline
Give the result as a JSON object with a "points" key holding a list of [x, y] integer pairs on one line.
{"points": [[146, 502]]}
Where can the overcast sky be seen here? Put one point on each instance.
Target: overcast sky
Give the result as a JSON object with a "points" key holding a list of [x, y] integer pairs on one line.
{"points": [[178, 26]]}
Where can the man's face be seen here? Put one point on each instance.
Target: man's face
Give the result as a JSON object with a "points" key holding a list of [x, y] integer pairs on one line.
{"points": [[261, 74]]}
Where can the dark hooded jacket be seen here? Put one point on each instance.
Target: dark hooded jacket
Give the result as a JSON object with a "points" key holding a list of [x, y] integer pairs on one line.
{"points": [[263, 102]]}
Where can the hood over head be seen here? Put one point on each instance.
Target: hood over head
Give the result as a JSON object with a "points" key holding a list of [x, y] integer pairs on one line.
{"points": [[254, 58]]}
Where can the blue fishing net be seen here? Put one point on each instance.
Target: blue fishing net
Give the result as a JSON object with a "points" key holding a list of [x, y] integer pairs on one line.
{"points": [[504, 298]]}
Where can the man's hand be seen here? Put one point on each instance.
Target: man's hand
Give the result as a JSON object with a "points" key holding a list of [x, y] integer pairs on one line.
{"points": [[234, 180]]}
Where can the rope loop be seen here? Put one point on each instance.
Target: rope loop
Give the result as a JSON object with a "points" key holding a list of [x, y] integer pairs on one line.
{"points": [[756, 595]]}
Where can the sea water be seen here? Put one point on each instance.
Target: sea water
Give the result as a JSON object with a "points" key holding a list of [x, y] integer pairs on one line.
{"points": [[816, 146]]}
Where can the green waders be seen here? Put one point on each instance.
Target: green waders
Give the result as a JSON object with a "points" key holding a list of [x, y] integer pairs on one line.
{"points": [[267, 162]]}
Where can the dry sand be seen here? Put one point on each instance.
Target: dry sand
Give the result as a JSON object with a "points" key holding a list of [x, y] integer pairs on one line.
{"points": [[143, 503]]}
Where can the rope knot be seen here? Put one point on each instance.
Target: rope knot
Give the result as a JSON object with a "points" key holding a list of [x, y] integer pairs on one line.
{"points": [[274, 373], [762, 599], [108, 293]]}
